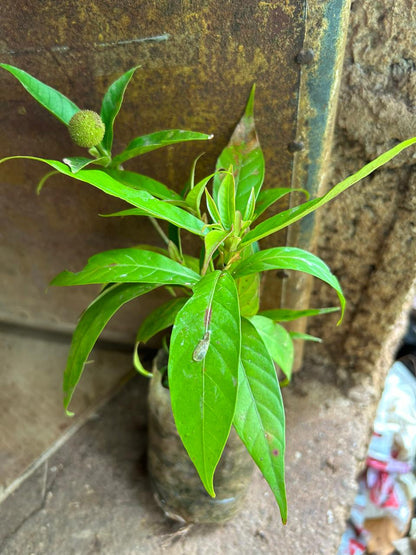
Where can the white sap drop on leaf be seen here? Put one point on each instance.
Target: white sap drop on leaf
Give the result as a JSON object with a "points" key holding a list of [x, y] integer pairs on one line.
{"points": [[201, 349]]}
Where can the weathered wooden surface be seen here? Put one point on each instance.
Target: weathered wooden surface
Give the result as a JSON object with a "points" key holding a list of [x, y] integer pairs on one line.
{"points": [[199, 60]]}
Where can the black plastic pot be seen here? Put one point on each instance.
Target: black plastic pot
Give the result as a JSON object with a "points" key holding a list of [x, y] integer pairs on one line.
{"points": [[177, 487]]}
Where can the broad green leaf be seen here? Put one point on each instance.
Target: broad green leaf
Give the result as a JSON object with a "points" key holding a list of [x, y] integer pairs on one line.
{"points": [[212, 240], [282, 220], [277, 341], [268, 197], [287, 315], [290, 258], [203, 369], [141, 199], [129, 265], [226, 200], [76, 163], [141, 182], [248, 288], [91, 324], [304, 336], [147, 143], [54, 101], [244, 154], [248, 294], [112, 101], [259, 415]]}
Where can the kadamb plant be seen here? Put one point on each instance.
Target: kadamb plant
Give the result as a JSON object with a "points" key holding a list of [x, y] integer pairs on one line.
{"points": [[223, 349]]}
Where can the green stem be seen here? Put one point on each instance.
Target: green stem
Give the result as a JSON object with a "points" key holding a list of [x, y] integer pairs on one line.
{"points": [[102, 151], [159, 230]]}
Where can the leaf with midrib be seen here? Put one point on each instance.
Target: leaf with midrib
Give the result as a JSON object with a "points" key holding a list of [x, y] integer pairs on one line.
{"points": [[141, 199], [111, 105], [245, 155], [54, 101], [290, 258], [288, 217], [148, 143], [129, 265], [91, 324], [203, 391], [259, 414]]}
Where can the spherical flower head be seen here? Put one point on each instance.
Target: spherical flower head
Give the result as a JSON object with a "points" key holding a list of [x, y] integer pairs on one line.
{"points": [[86, 128]]}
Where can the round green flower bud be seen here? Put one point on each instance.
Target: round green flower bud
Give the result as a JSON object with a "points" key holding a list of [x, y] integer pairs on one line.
{"points": [[86, 128]]}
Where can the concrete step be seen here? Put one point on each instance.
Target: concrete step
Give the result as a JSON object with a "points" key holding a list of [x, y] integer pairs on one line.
{"points": [[33, 423]]}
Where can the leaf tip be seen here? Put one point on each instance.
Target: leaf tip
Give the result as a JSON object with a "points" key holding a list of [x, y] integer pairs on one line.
{"points": [[250, 103]]}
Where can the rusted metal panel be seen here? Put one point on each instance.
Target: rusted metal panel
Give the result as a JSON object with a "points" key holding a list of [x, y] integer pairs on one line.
{"points": [[321, 59], [198, 61]]}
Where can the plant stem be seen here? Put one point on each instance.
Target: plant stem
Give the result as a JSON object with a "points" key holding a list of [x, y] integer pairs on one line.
{"points": [[159, 230], [103, 152]]}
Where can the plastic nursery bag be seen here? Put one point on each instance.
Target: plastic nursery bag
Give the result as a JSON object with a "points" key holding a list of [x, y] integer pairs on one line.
{"points": [[382, 509]]}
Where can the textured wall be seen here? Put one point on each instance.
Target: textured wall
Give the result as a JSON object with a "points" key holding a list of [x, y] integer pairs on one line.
{"points": [[368, 235]]}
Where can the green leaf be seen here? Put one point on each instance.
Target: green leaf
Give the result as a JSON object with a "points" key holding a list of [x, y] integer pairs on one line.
{"points": [[248, 288], [288, 217], [54, 101], [203, 368], [268, 197], [248, 294], [290, 258], [158, 320], [147, 143], [259, 414], [111, 105], [212, 208], [212, 240], [193, 198], [287, 315], [304, 336], [141, 199], [161, 318], [129, 265], [244, 154], [77, 163], [141, 182], [128, 212], [250, 208], [226, 200], [190, 184], [43, 180], [277, 341], [91, 324]]}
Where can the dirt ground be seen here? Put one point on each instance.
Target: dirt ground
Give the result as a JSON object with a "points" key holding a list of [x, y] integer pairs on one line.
{"points": [[96, 496]]}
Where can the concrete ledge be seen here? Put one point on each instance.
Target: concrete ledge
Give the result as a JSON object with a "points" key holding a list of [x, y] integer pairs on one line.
{"points": [[97, 499]]}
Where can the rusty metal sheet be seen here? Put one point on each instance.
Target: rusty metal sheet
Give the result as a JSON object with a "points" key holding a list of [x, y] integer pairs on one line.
{"points": [[321, 59], [198, 61]]}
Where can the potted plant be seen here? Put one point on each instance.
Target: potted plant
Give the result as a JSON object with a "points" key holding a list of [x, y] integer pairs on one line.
{"points": [[223, 351]]}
